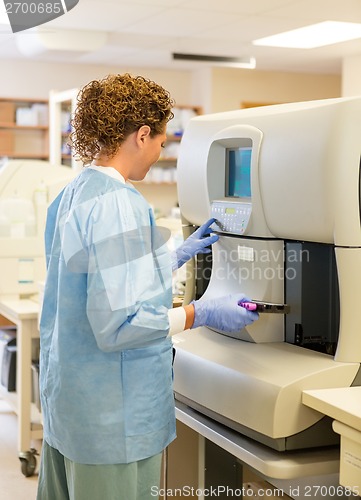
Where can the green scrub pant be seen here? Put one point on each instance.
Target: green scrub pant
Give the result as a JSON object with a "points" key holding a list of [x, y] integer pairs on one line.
{"points": [[62, 479]]}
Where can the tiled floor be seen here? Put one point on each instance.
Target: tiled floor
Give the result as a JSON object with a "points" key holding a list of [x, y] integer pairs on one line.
{"points": [[13, 484]]}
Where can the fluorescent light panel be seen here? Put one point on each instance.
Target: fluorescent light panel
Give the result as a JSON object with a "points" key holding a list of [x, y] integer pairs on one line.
{"points": [[3, 15], [315, 35]]}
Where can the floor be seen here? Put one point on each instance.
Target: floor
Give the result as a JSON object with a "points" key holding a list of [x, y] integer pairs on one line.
{"points": [[13, 484]]}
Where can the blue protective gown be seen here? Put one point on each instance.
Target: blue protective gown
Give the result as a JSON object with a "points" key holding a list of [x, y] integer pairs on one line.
{"points": [[106, 360]]}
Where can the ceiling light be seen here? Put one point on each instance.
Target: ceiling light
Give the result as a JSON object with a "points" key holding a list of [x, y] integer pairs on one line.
{"points": [[36, 42], [231, 62], [4, 19], [315, 35]]}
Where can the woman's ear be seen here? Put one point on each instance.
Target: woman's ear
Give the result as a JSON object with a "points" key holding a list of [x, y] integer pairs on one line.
{"points": [[143, 133]]}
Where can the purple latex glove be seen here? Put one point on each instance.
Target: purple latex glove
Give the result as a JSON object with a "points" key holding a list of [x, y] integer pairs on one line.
{"points": [[194, 244], [223, 313]]}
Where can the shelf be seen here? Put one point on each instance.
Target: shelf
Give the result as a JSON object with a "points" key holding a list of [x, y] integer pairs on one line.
{"points": [[24, 156], [6, 125], [167, 160], [35, 415], [174, 138], [24, 131], [272, 464]]}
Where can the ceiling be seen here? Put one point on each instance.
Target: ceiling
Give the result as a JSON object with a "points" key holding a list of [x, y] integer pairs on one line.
{"points": [[144, 33]]}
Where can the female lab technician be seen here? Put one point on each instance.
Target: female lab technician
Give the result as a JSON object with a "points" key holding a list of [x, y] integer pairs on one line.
{"points": [[106, 324]]}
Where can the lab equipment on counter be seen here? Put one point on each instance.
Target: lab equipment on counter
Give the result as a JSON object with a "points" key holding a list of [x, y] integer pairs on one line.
{"points": [[26, 188], [283, 183]]}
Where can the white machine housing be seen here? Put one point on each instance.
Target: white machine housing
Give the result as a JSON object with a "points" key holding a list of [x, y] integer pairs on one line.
{"points": [[304, 187], [26, 189]]}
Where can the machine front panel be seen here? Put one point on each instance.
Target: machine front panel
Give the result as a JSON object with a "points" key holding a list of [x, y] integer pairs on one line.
{"points": [[256, 269]]}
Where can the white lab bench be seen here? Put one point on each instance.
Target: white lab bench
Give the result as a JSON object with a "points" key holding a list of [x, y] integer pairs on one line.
{"points": [[24, 314], [299, 474], [344, 406]]}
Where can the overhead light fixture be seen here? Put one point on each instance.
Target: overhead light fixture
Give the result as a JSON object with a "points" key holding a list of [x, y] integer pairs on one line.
{"points": [[38, 41], [231, 62], [4, 19], [315, 35]]}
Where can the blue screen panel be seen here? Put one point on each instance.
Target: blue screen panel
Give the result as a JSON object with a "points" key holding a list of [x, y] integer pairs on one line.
{"points": [[239, 172]]}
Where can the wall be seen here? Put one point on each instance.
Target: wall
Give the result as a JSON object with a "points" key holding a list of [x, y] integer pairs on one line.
{"points": [[217, 89], [351, 76], [36, 79], [214, 89], [232, 86]]}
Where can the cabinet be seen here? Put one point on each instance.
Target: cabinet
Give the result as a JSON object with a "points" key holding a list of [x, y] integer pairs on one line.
{"points": [[24, 130], [61, 107]]}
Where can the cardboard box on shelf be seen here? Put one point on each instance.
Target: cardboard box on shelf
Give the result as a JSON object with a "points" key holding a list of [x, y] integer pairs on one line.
{"points": [[6, 142], [7, 112]]}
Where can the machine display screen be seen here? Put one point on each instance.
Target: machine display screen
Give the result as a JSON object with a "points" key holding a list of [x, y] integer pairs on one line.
{"points": [[238, 172]]}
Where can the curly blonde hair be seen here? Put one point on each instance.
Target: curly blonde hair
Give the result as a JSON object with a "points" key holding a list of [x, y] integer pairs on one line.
{"points": [[110, 109]]}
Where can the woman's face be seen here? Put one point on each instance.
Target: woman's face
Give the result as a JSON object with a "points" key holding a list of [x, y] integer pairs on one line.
{"points": [[150, 154]]}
